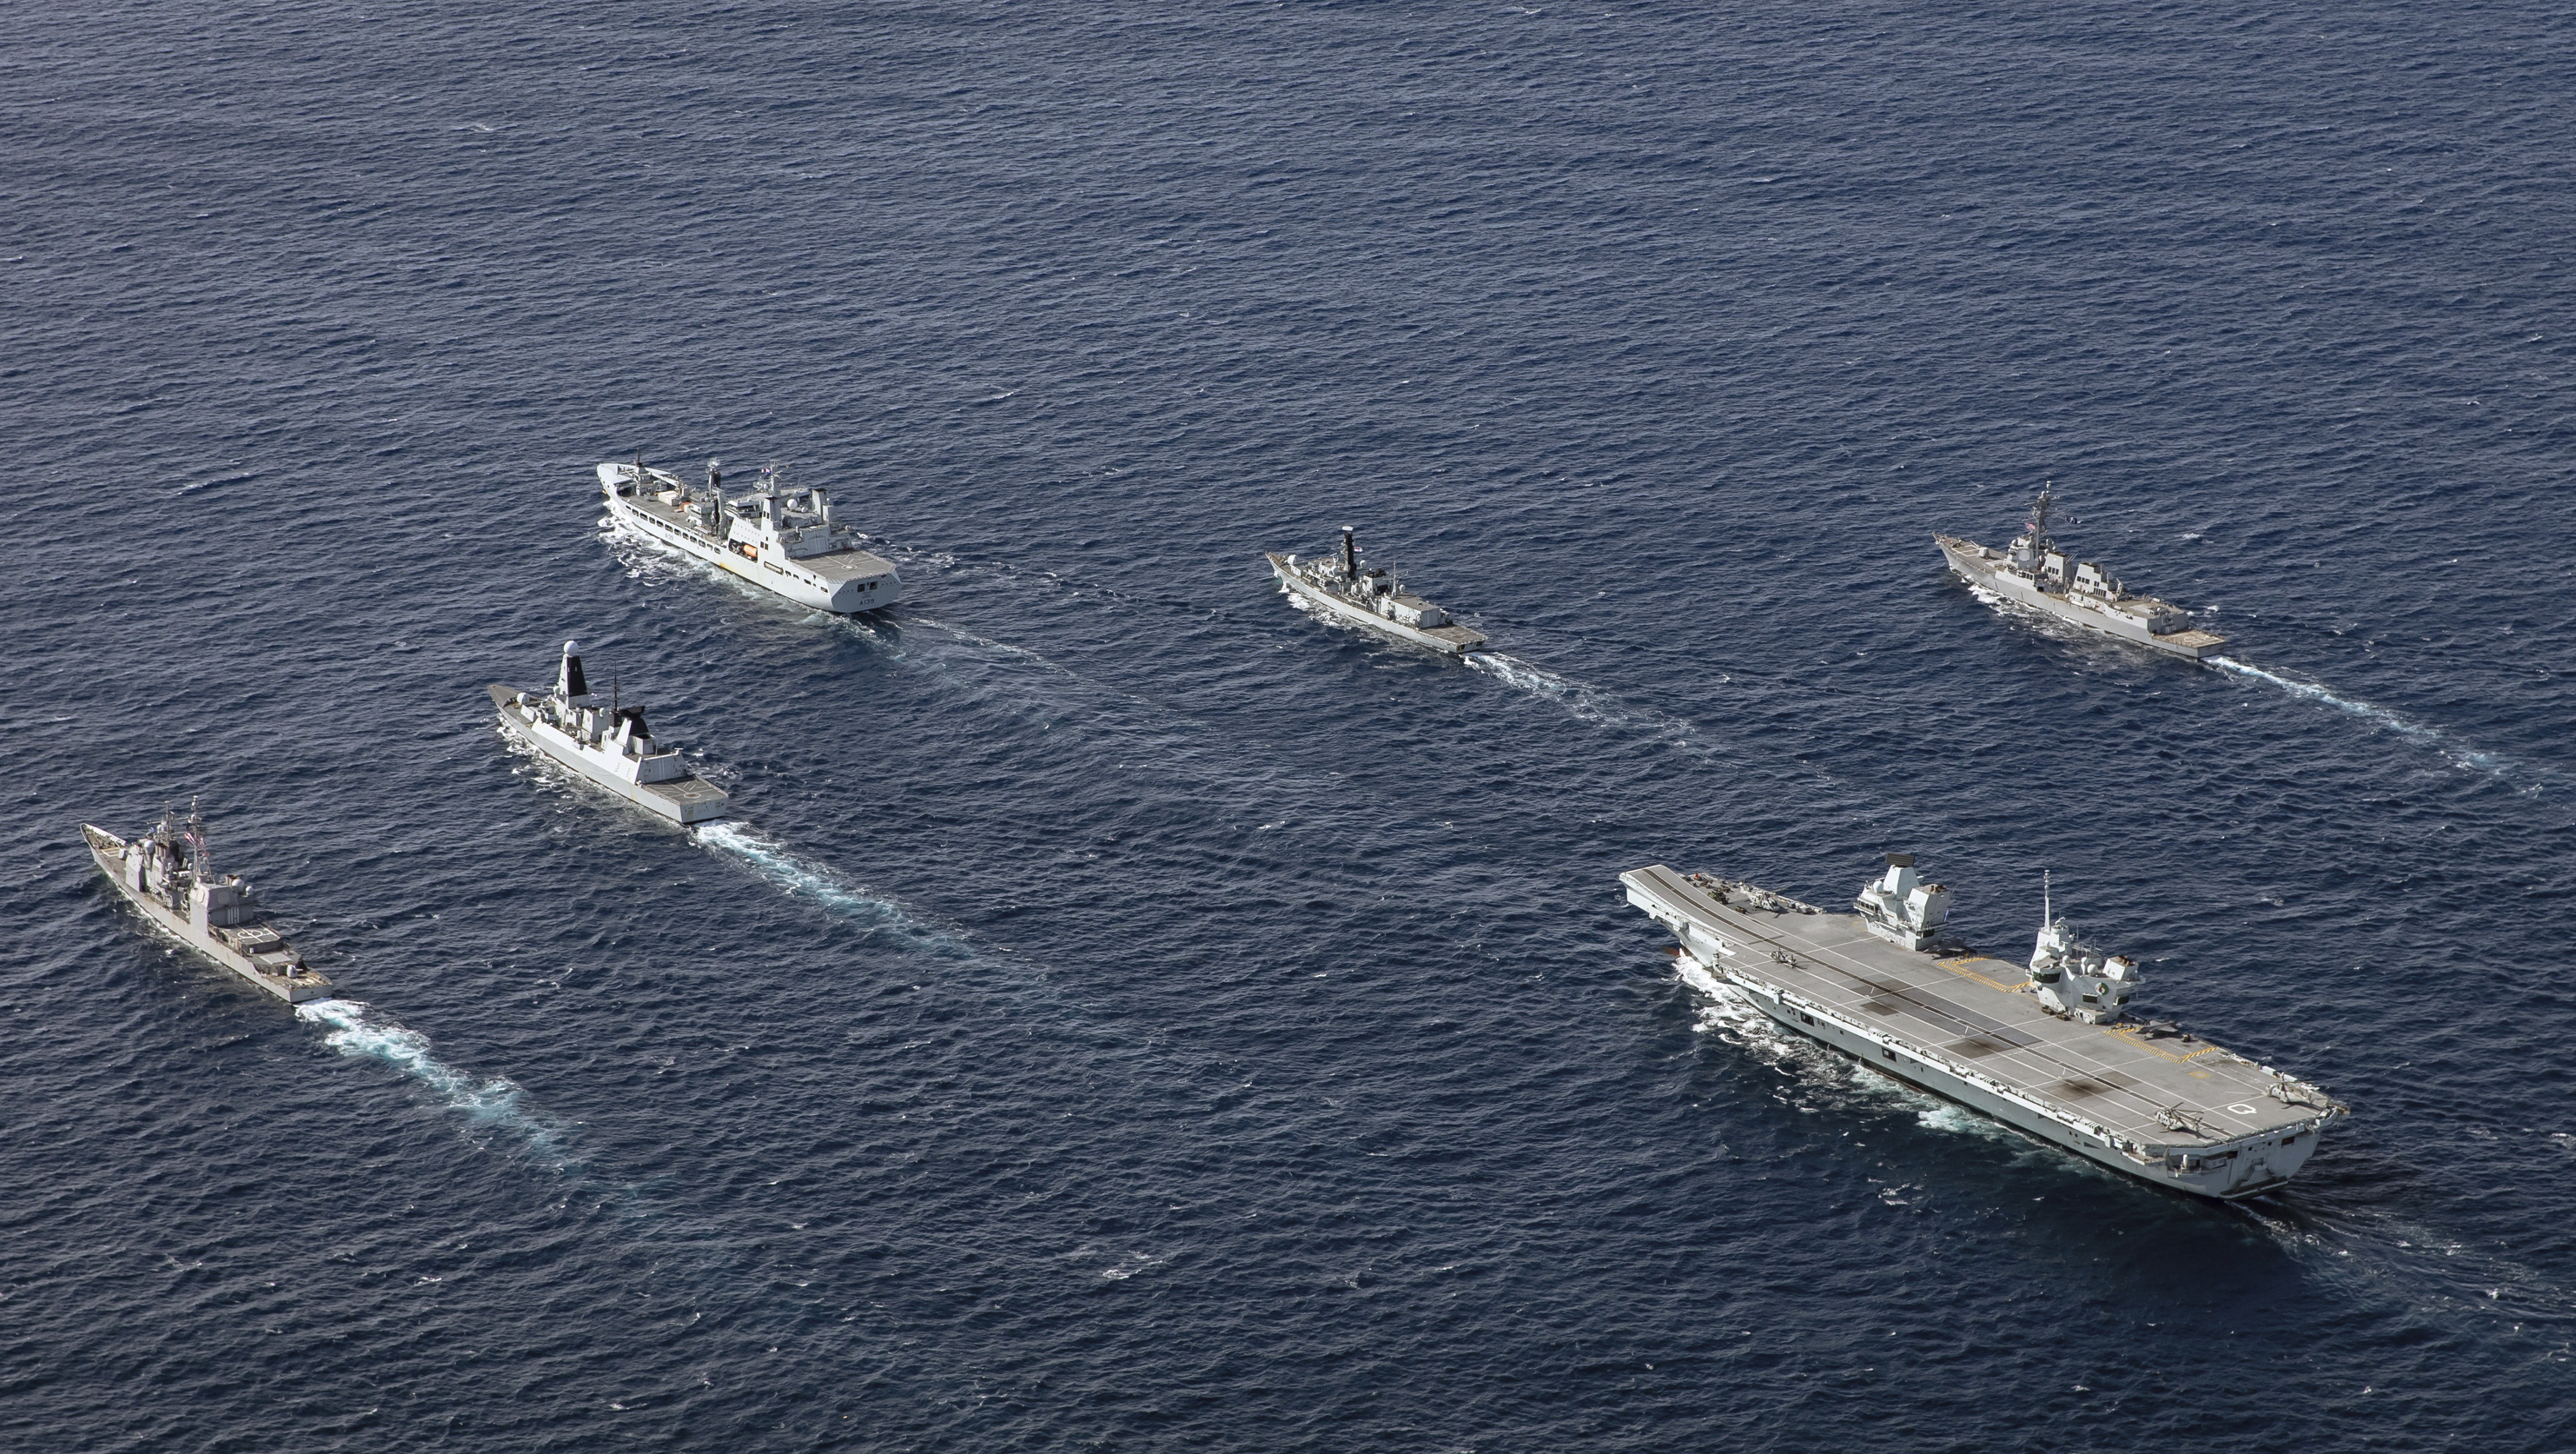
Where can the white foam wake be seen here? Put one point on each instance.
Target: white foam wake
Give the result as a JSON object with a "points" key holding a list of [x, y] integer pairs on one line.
{"points": [[1585, 701], [2402, 726], [354, 1031], [782, 867]]}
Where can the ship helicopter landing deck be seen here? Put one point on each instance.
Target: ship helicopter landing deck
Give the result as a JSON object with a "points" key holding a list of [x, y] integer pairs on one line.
{"points": [[2147, 1099]]}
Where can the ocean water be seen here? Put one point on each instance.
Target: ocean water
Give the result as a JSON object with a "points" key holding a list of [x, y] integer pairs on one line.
{"points": [[1129, 1013]]}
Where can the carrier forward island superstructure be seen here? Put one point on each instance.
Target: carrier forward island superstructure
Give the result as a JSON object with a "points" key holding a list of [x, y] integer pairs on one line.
{"points": [[2035, 571], [2047, 1049], [166, 874], [608, 743], [779, 539], [1345, 588]]}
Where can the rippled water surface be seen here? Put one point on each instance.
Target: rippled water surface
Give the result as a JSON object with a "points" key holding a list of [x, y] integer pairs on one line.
{"points": [[1129, 1013]]}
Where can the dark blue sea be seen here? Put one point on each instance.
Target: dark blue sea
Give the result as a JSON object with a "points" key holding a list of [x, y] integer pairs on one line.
{"points": [[1132, 1015]]}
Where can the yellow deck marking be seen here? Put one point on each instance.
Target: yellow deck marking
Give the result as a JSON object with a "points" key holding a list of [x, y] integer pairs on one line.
{"points": [[1960, 966], [2130, 1034]]}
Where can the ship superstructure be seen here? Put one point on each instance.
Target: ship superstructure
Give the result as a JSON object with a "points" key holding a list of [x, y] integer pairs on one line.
{"points": [[166, 873], [607, 742], [1344, 587], [2035, 571], [2046, 1048], [780, 539]]}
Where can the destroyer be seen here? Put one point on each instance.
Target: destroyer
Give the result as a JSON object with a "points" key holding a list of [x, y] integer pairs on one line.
{"points": [[1348, 589], [2047, 1050], [165, 873], [2035, 571], [779, 539], [607, 743]]}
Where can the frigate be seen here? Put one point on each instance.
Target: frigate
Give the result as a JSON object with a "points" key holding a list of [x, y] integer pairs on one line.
{"points": [[2035, 571], [2048, 1048], [165, 873], [608, 743], [1343, 587], [780, 539]]}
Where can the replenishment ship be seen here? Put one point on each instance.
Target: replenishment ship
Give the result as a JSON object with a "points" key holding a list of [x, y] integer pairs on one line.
{"points": [[1343, 587], [607, 743], [779, 539], [2035, 571], [166, 874], [2047, 1049]]}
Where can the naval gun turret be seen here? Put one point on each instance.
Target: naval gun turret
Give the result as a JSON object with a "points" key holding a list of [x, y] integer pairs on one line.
{"points": [[1901, 909], [2077, 979]]}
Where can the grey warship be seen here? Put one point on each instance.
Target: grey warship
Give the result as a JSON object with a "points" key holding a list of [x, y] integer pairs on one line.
{"points": [[779, 539], [607, 743], [165, 873], [1345, 588], [2034, 571], [2047, 1049]]}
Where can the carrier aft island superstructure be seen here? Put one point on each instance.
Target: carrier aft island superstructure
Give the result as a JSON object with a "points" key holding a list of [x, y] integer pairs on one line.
{"points": [[1345, 588], [166, 874], [2047, 1050], [608, 743], [2036, 571], [779, 539]]}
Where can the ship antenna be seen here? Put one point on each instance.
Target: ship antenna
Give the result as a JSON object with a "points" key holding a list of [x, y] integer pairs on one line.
{"points": [[2047, 914]]}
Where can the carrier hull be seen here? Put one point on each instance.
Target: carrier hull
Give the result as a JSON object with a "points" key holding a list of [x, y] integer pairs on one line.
{"points": [[2163, 1108]]}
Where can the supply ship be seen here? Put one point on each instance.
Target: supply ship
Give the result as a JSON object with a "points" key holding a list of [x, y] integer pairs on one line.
{"points": [[2035, 571], [2047, 1049], [1343, 587], [166, 874], [779, 539], [608, 743]]}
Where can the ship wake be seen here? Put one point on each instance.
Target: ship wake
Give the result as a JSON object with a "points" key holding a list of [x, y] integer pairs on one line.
{"points": [[2433, 737], [491, 1101], [800, 878]]}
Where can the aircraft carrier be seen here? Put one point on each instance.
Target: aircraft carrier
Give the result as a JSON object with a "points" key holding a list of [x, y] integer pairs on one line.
{"points": [[607, 743], [2046, 1049], [165, 873], [2034, 571], [779, 539], [1342, 587]]}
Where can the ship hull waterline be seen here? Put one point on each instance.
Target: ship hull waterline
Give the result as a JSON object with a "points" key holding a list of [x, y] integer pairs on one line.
{"points": [[839, 600], [294, 990], [1968, 563], [1344, 614], [537, 735], [2150, 1101], [1930, 1080]]}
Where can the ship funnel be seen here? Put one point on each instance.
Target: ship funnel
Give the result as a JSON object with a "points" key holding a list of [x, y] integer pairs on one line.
{"points": [[570, 681], [1350, 550]]}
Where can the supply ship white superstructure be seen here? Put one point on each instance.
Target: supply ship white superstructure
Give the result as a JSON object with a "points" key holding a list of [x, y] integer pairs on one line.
{"points": [[166, 874], [779, 539], [2036, 572], [1344, 588], [2047, 1049], [607, 743]]}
